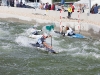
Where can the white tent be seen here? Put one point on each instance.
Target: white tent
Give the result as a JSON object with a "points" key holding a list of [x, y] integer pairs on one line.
{"points": [[94, 2], [82, 1], [87, 2]]}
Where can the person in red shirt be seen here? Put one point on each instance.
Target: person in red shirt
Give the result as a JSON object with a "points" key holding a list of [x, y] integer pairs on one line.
{"points": [[72, 6]]}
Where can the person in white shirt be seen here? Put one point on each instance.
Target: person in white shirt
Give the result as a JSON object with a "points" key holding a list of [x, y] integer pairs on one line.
{"points": [[69, 32]]}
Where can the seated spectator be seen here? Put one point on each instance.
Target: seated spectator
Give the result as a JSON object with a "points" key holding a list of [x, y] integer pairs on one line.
{"points": [[49, 7], [21, 4], [92, 9], [62, 8], [46, 6], [17, 3], [12, 3], [41, 6], [53, 7]]}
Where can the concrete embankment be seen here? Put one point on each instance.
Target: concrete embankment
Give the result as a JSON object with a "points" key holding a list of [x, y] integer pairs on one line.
{"points": [[80, 22]]}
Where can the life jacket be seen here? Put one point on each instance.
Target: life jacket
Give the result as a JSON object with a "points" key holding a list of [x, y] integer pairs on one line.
{"points": [[69, 9], [41, 40]]}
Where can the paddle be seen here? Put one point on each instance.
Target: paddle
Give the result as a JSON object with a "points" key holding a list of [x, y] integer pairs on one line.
{"points": [[48, 29], [62, 31], [51, 41]]}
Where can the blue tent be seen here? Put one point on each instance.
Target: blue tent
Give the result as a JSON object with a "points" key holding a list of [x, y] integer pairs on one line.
{"points": [[62, 2]]}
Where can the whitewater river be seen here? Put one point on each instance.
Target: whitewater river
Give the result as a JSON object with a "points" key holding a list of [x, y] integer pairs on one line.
{"points": [[18, 57]]}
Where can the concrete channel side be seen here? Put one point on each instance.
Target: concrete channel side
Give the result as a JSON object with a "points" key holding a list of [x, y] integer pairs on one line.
{"points": [[86, 23]]}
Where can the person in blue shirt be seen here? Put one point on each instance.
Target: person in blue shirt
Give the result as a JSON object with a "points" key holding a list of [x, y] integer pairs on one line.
{"points": [[96, 9]]}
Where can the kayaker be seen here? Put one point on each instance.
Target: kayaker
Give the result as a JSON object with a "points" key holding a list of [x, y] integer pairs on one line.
{"points": [[69, 32], [35, 31], [42, 43]]}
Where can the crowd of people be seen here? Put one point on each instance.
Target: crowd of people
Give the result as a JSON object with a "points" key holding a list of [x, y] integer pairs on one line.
{"points": [[12, 3], [47, 6]]}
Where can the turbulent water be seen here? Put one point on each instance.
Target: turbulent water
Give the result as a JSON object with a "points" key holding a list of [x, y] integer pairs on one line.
{"points": [[18, 57]]}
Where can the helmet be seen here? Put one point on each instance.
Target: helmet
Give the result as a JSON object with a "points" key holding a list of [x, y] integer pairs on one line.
{"points": [[34, 26], [45, 35]]}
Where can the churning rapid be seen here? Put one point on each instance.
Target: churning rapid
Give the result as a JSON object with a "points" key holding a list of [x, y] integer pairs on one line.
{"points": [[18, 57]]}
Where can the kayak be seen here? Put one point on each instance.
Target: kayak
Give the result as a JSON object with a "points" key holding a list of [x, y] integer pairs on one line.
{"points": [[35, 36], [76, 35], [44, 49]]}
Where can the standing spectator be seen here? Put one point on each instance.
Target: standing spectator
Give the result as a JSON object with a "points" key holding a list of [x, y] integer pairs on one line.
{"points": [[8, 3], [56, 7], [17, 3], [12, 3], [53, 7], [72, 6], [21, 3], [41, 6], [49, 7], [46, 6], [96, 9], [92, 9], [83, 9], [69, 11]]}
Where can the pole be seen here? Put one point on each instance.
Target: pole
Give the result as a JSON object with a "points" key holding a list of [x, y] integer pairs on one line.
{"points": [[51, 41], [60, 21], [89, 7], [36, 2]]}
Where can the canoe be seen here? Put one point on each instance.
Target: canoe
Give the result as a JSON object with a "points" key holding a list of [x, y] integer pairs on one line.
{"points": [[35, 36], [44, 49]]}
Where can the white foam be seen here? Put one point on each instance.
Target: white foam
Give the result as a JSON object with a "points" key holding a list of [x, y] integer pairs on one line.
{"points": [[24, 41], [3, 32]]}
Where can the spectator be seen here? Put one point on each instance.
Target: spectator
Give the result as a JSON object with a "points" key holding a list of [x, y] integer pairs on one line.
{"points": [[53, 7], [8, 3], [41, 6], [92, 9], [56, 7], [17, 3], [96, 9], [72, 6], [49, 7], [62, 8], [46, 6], [21, 3], [69, 11], [12, 3]]}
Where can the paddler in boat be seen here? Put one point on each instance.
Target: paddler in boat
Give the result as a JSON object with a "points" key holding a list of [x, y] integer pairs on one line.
{"points": [[35, 31], [42, 43], [69, 31]]}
